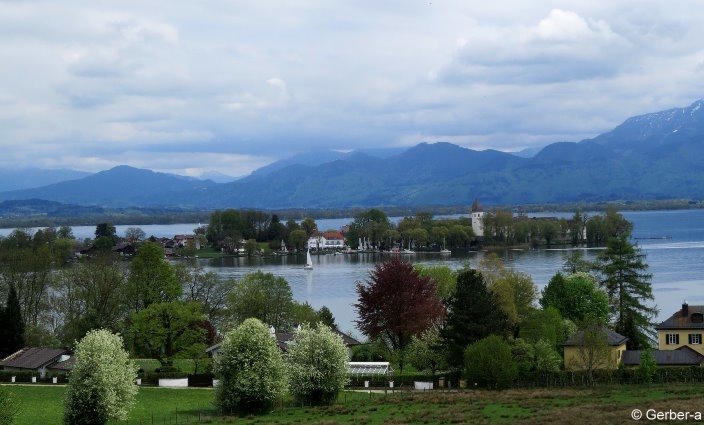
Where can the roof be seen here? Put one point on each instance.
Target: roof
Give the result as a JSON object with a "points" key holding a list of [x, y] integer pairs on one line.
{"points": [[476, 206], [369, 368], [284, 339], [64, 365], [348, 340], [332, 235], [682, 319], [33, 358], [612, 338], [683, 356]]}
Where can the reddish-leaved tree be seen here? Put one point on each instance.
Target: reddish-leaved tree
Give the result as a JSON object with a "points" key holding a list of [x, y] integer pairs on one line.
{"points": [[396, 303]]}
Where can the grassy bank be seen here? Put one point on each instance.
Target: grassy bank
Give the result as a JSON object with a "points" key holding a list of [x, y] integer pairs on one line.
{"points": [[42, 405], [210, 252]]}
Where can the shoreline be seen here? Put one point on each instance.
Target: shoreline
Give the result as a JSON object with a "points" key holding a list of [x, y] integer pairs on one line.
{"points": [[202, 216]]}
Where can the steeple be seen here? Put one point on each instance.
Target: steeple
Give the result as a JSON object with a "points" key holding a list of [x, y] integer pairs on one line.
{"points": [[476, 206]]}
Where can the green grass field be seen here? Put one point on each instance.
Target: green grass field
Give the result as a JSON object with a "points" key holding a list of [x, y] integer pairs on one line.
{"points": [[42, 405], [210, 252]]}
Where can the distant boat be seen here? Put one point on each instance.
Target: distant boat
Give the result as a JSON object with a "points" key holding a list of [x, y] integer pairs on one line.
{"points": [[444, 250], [309, 261]]}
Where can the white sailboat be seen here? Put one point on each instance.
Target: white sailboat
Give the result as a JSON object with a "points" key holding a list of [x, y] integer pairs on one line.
{"points": [[309, 261], [408, 251], [444, 250]]}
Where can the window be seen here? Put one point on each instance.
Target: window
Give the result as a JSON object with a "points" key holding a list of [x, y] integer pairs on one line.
{"points": [[697, 318], [672, 339], [695, 338]]}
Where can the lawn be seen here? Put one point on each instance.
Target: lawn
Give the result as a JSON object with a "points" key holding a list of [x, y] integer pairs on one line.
{"points": [[42, 405], [209, 252]]}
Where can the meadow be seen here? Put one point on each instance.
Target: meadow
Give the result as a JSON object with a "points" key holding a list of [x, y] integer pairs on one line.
{"points": [[604, 404]]}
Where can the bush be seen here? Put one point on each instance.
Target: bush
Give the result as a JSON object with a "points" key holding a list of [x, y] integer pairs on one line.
{"points": [[647, 367], [546, 358], [317, 365], [101, 385], [426, 352], [489, 363], [250, 369], [523, 353], [545, 324], [375, 351], [8, 406]]}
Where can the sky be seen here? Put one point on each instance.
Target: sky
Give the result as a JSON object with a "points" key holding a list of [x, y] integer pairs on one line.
{"points": [[191, 87]]}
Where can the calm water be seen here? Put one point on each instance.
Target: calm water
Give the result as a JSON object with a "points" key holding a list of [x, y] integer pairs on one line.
{"points": [[677, 263]]}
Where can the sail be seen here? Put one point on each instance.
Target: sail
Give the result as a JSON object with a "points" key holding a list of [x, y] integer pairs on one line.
{"points": [[309, 261]]}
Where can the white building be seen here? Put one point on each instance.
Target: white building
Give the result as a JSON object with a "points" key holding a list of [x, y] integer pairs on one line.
{"points": [[477, 213], [326, 240]]}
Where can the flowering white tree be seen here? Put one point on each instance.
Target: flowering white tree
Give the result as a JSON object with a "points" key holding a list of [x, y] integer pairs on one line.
{"points": [[101, 385], [317, 364], [250, 369]]}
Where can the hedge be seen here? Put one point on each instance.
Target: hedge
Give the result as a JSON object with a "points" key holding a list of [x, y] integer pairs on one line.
{"points": [[621, 376], [405, 380], [152, 378]]}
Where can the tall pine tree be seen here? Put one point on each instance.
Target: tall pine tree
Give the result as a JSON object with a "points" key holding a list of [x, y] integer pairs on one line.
{"points": [[11, 325], [473, 313], [627, 281]]}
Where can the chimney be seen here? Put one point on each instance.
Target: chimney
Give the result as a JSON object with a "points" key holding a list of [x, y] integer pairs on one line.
{"points": [[685, 309]]}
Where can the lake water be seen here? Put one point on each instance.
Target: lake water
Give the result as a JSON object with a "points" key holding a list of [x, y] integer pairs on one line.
{"points": [[676, 263]]}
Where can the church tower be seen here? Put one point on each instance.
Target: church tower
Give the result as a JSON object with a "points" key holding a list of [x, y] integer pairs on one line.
{"points": [[477, 214]]}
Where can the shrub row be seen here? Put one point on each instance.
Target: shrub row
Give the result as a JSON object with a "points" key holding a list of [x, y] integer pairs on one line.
{"points": [[152, 378], [693, 374], [622, 376], [405, 380]]}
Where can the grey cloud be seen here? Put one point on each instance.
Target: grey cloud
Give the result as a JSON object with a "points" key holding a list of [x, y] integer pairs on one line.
{"points": [[90, 85]]}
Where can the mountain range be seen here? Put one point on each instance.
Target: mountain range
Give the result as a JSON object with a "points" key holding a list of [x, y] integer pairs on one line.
{"points": [[29, 177], [652, 156]]}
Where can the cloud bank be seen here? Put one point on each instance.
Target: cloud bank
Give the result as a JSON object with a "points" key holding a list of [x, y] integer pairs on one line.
{"points": [[229, 86]]}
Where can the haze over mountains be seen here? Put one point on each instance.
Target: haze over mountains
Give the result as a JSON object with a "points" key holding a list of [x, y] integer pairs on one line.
{"points": [[25, 178], [652, 156]]}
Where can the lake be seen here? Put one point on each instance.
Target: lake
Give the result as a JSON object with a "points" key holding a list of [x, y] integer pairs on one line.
{"points": [[677, 263]]}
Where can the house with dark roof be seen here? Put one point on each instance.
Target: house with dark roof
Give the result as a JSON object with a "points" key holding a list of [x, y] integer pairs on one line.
{"points": [[577, 351], [39, 359], [683, 356], [683, 329], [284, 340]]}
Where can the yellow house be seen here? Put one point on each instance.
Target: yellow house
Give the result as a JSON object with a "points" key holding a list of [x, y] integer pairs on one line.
{"points": [[683, 329], [600, 348]]}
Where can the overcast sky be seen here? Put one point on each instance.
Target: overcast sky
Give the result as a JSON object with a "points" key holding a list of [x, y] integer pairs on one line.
{"points": [[230, 86]]}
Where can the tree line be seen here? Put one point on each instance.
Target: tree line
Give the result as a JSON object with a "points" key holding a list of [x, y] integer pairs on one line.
{"points": [[492, 323], [164, 310]]}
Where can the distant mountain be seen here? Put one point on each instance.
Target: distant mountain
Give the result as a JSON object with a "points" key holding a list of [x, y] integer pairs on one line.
{"points": [[649, 133], [25, 178], [217, 177], [308, 159], [315, 158], [652, 156], [119, 186], [527, 152]]}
